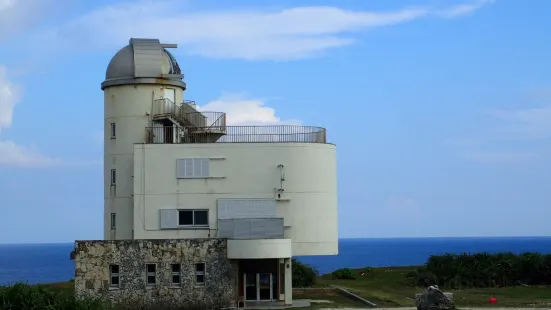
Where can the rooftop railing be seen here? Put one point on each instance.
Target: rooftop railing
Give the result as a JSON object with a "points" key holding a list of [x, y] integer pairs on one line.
{"points": [[237, 134]]}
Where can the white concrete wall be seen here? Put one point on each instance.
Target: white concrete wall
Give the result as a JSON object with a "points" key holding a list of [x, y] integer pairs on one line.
{"points": [[247, 170], [128, 107]]}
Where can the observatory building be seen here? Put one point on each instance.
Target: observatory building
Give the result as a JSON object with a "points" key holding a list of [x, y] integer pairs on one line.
{"points": [[196, 209]]}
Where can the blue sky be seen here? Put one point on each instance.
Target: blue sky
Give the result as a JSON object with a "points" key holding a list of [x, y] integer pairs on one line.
{"points": [[441, 110]]}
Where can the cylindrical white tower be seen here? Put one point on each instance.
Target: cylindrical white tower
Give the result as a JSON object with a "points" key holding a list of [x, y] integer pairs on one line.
{"points": [[143, 79]]}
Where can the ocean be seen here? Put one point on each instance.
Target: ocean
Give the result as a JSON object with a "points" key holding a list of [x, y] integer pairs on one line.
{"points": [[45, 263]]}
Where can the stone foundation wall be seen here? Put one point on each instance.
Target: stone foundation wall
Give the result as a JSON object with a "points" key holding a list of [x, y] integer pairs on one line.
{"points": [[93, 258]]}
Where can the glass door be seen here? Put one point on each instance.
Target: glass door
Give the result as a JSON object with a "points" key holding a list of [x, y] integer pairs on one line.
{"points": [[250, 286], [265, 286]]}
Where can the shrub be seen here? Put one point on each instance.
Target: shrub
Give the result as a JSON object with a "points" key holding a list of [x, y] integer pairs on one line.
{"points": [[421, 277], [489, 270], [25, 297], [303, 275], [344, 274]]}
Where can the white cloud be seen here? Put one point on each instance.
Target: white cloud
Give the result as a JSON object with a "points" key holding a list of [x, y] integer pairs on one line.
{"points": [[524, 124], [242, 111], [18, 15], [463, 9], [10, 95], [6, 5], [11, 153], [248, 34], [521, 125], [15, 155]]}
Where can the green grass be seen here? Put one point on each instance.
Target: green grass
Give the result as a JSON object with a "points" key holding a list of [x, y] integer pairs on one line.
{"points": [[337, 300], [65, 288], [388, 287]]}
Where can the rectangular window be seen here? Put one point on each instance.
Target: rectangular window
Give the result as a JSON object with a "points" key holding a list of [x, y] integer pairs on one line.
{"points": [[114, 278], [200, 274], [176, 270], [113, 131], [113, 176], [113, 220], [193, 168], [151, 274], [198, 218]]}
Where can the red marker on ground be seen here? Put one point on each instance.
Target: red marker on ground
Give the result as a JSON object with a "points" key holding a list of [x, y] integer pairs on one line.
{"points": [[493, 300]]}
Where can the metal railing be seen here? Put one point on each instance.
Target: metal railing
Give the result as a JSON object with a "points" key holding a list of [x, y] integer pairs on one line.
{"points": [[186, 115], [190, 102], [213, 120], [163, 106], [237, 134]]}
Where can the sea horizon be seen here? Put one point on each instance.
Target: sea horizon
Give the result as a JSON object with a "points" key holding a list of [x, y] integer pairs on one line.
{"points": [[343, 238], [49, 262]]}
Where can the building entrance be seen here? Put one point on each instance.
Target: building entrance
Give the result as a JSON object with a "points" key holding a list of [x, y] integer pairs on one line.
{"points": [[258, 286]]}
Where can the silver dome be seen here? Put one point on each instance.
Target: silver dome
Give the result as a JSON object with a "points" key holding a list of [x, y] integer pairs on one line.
{"points": [[143, 59], [121, 65]]}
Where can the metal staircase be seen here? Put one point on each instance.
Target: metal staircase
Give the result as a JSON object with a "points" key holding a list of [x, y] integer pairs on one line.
{"points": [[195, 126]]}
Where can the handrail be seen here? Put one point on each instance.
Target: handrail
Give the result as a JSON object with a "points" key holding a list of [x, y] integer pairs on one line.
{"points": [[186, 115], [219, 122]]}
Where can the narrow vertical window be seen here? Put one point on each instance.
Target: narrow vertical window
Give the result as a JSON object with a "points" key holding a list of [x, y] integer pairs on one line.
{"points": [[200, 274], [113, 220], [113, 131], [114, 278], [151, 274], [176, 269], [113, 176]]}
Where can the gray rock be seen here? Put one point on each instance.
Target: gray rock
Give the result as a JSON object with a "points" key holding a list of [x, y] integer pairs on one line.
{"points": [[433, 299]]}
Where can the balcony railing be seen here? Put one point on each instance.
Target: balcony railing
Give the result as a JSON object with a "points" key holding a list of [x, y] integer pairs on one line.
{"points": [[213, 120], [237, 134]]}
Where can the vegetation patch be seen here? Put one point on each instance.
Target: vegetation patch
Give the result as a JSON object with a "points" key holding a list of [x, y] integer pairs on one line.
{"points": [[59, 296], [303, 275], [482, 270], [514, 280], [344, 274]]}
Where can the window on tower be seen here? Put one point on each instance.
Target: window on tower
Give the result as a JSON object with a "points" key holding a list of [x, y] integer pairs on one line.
{"points": [[113, 131], [113, 220], [113, 176]]}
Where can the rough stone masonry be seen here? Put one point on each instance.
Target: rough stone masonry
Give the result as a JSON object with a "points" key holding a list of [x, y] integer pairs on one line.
{"points": [[98, 263]]}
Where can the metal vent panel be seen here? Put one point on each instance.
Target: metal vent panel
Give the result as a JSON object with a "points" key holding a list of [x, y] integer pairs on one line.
{"points": [[246, 208], [267, 228]]}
